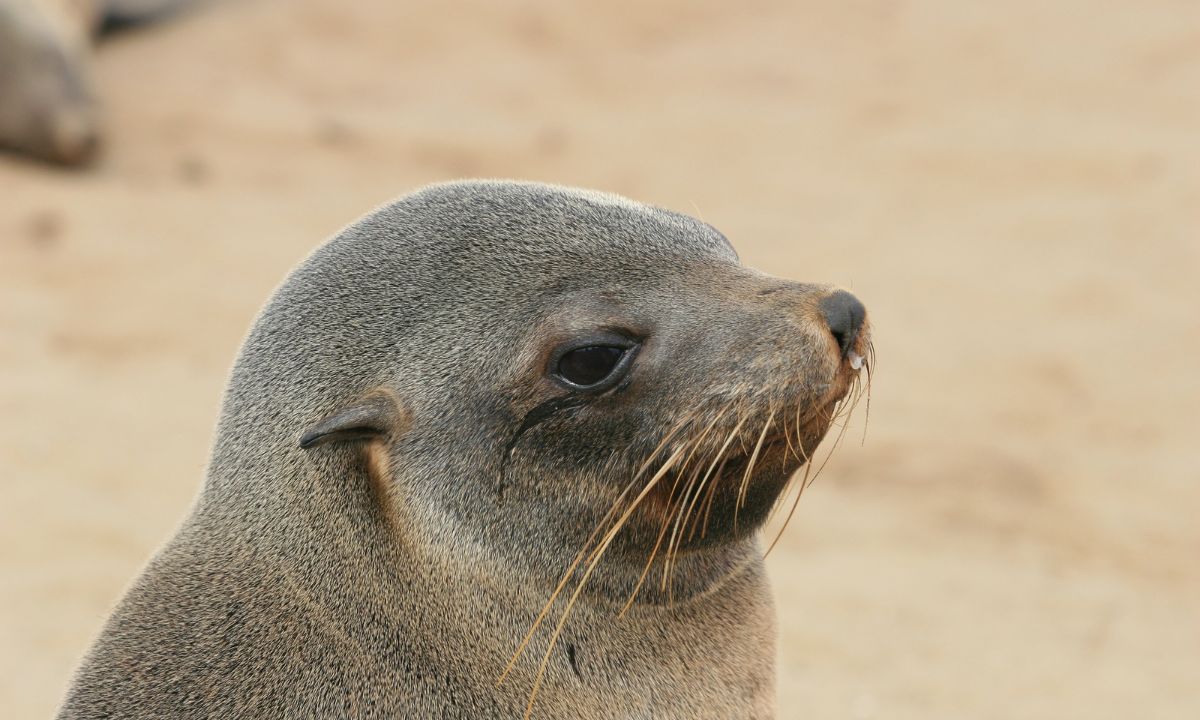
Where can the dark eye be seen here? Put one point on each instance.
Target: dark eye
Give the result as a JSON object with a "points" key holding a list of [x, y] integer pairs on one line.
{"points": [[590, 365]]}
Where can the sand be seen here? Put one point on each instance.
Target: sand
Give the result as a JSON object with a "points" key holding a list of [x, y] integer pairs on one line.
{"points": [[1012, 188]]}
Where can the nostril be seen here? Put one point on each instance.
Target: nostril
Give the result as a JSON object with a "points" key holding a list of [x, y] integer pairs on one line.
{"points": [[844, 315]]}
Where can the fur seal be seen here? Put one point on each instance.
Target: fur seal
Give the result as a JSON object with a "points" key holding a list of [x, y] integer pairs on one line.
{"points": [[496, 450], [48, 102]]}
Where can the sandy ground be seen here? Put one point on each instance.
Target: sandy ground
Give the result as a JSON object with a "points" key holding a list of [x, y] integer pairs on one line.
{"points": [[1013, 188]]}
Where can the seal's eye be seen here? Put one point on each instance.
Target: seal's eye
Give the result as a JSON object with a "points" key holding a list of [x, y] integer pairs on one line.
{"points": [[588, 366], [593, 363]]}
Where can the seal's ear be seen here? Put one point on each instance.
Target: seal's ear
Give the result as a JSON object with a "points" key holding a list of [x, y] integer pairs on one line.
{"points": [[377, 415]]}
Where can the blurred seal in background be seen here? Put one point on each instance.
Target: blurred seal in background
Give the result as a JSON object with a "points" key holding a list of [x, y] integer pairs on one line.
{"points": [[48, 102]]}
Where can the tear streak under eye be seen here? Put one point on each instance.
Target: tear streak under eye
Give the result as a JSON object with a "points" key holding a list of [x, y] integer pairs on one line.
{"points": [[532, 418]]}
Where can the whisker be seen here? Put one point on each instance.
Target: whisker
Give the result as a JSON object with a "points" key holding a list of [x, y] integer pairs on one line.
{"points": [[843, 408], [672, 545], [792, 511], [712, 493], [662, 533], [583, 550], [837, 441], [711, 488], [681, 517], [750, 468], [787, 434], [593, 562], [669, 514], [673, 509], [719, 459], [867, 365]]}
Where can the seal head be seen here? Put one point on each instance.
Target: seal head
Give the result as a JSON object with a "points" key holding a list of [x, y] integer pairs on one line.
{"points": [[541, 348], [477, 399]]}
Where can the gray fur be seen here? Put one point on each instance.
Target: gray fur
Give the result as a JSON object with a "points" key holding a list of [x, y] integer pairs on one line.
{"points": [[328, 581]]}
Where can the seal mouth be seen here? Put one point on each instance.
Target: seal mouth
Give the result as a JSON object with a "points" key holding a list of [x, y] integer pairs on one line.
{"points": [[720, 472], [719, 485]]}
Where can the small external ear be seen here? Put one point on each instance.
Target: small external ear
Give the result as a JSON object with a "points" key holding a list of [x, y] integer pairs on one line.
{"points": [[377, 415]]}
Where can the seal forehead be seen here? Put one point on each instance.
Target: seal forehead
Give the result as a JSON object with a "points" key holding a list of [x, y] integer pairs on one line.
{"points": [[454, 278], [516, 219]]}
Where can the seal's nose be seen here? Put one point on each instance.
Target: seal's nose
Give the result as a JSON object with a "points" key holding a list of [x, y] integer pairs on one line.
{"points": [[844, 314]]}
